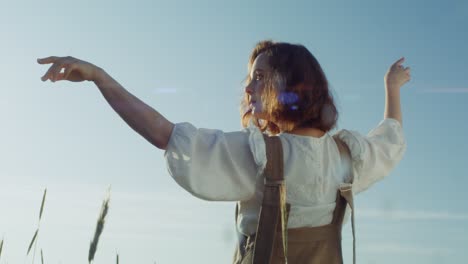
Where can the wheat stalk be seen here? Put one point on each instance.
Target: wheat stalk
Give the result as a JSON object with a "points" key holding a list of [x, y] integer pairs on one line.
{"points": [[32, 241], [35, 237], [99, 227], [1, 247], [42, 204]]}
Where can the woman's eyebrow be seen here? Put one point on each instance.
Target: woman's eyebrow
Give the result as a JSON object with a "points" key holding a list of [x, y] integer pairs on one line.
{"points": [[257, 71]]}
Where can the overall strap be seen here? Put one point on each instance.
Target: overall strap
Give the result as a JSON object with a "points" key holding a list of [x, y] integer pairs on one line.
{"points": [[273, 207], [346, 189]]}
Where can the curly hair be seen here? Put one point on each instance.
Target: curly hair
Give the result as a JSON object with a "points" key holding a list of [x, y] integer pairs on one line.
{"points": [[296, 92]]}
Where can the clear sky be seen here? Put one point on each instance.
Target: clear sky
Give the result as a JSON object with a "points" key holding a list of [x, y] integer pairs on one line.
{"points": [[187, 59]]}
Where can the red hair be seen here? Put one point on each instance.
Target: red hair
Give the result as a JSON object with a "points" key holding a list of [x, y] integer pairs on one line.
{"points": [[296, 92]]}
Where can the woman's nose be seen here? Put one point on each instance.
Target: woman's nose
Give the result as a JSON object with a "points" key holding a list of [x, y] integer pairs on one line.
{"points": [[248, 88]]}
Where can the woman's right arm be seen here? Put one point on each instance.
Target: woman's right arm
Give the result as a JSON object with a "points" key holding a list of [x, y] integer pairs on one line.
{"points": [[142, 118], [396, 76]]}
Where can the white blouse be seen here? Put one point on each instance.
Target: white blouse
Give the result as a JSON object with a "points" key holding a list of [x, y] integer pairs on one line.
{"points": [[227, 166]]}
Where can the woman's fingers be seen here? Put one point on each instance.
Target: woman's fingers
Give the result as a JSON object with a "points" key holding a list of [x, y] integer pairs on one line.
{"points": [[398, 65], [400, 61], [46, 75], [397, 74], [50, 73], [55, 70], [68, 70], [73, 69], [47, 60]]}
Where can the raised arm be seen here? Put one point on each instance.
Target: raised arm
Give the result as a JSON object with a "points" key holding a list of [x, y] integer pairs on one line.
{"points": [[394, 79], [139, 116]]}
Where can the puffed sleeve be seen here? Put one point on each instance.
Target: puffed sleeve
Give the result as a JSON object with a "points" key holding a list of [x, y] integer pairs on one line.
{"points": [[215, 165], [375, 155]]}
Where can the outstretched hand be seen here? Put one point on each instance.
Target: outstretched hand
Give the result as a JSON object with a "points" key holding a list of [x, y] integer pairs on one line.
{"points": [[397, 75], [74, 70]]}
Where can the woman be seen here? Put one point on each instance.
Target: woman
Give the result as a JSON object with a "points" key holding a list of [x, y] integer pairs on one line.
{"points": [[286, 95]]}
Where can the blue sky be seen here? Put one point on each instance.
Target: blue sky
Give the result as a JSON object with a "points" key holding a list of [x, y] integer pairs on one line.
{"points": [[187, 60]]}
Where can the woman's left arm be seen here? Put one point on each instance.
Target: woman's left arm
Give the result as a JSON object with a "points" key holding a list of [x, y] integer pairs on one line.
{"points": [[394, 79], [376, 154]]}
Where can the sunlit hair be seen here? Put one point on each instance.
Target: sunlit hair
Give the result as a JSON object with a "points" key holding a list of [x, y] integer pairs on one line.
{"points": [[295, 94]]}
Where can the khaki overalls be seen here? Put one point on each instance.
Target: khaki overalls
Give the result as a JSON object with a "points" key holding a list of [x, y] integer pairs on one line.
{"points": [[305, 245]]}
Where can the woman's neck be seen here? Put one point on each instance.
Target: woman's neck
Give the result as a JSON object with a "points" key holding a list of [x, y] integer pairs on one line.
{"points": [[308, 131]]}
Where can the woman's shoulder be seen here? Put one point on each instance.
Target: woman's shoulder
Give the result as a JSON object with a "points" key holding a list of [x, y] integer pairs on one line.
{"points": [[388, 132]]}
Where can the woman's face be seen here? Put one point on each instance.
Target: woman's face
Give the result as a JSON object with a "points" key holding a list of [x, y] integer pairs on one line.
{"points": [[254, 89]]}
